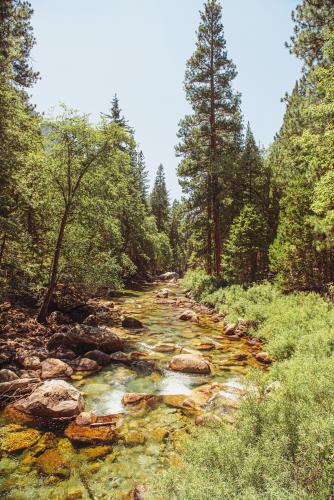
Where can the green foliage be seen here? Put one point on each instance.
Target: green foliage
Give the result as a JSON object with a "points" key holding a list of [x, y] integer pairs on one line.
{"points": [[281, 446], [244, 256], [160, 201]]}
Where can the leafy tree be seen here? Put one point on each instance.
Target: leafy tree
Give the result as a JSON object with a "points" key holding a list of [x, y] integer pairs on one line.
{"points": [[160, 201], [74, 148]]}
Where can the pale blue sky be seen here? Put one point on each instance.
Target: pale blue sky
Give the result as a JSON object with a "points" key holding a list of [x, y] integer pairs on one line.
{"points": [[86, 51]]}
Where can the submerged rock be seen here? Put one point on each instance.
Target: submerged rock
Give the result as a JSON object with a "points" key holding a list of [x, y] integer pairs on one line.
{"points": [[15, 438], [130, 322], [189, 363], [97, 430], [53, 462], [55, 368], [137, 398], [53, 399]]}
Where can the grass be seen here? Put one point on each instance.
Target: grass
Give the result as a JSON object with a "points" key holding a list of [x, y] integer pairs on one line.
{"points": [[282, 445]]}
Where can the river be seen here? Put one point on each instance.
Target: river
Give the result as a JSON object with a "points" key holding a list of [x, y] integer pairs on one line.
{"points": [[150, 437]]}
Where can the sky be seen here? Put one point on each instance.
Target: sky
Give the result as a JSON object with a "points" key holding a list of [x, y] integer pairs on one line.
{"points": [[88, 51]]}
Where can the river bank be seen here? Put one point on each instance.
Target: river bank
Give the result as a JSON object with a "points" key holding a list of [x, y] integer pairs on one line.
{"points": [[138, 408]]}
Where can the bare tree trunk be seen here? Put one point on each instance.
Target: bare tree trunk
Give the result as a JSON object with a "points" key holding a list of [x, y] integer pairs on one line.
{"points": [[42, 315], [2, 249]]}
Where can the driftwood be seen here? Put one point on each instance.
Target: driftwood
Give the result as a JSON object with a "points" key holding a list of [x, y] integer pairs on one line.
{"points": [[15, 389]]}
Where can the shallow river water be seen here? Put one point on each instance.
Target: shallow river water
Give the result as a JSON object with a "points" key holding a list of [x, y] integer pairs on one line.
{"points": [[149, 438]]}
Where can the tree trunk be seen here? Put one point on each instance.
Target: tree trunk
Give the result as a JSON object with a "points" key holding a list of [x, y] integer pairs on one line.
{"points": [[2, 249], [217, 230], [209, 227], [42, 315]]}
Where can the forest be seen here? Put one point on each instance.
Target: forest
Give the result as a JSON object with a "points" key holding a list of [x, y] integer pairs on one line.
{"points": [[250, 243]]}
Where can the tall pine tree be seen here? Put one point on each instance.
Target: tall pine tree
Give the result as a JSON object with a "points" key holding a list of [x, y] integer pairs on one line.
{"points": [[160, 201], [210, 136]]}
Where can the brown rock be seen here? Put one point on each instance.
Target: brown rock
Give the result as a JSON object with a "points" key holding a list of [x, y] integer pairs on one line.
{"points": [[230, 329], [55, 368], [83, 338], [31, 363], [189, 315], [263, 357], [135, 399], [86, 364], [100, 357], [100, 434], [53, 399], [189, 363], [130, 322], [7, 375]]}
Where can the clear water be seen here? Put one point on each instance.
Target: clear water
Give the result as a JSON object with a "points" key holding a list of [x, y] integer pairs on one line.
{"points": [[150, 438]]}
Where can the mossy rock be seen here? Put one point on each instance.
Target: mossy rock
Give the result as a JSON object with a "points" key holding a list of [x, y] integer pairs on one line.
{"points": [[18, 439], [87, 434], [53, 463], [95, 452]]}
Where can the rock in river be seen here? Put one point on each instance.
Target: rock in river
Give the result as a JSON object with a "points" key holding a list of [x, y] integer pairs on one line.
{"points": [[53, 399], [189, 315], [55, 368], [130, 322], [100, 357], [82, 338], [189, 363]]}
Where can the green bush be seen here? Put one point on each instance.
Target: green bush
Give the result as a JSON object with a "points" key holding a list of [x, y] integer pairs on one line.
{"points": [[282, 444]]}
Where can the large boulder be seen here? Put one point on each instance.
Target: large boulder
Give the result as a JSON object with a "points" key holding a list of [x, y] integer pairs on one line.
{"points": [[89, 428], [53, 399], [82, 338], [189, 363], [55, 368]]}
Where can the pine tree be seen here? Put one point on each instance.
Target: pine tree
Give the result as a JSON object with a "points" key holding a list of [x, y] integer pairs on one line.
{"points": [[141, 176], [115, 113], [160, 201], [210, 136], [19, 131], [313, 19]]}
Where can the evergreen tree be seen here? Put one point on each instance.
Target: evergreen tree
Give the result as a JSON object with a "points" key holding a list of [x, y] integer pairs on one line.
{"points": [[19, 137], [210, 136], [160, 201], [313, 19], [115, 113]]}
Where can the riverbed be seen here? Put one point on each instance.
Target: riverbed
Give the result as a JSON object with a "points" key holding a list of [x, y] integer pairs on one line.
{"points": [[151, 436]]}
